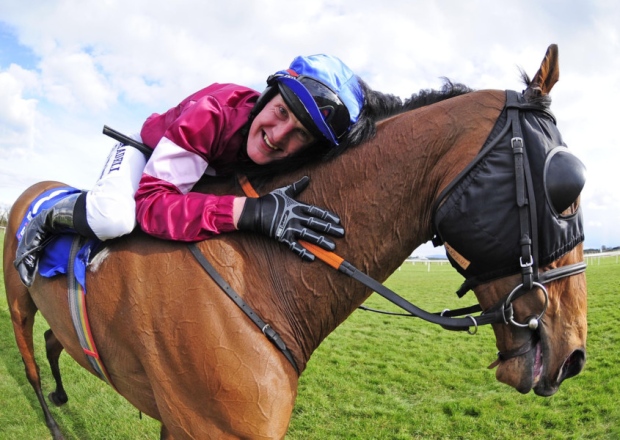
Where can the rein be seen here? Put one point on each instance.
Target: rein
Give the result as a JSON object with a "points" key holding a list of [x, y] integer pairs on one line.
{"points": [[445, 319]]}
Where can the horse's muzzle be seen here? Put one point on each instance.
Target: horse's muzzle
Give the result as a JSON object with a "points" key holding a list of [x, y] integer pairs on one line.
{"points": [[572, 366]]}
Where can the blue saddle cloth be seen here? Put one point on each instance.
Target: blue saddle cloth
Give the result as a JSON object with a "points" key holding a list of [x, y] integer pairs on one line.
{"points": [[54, 258]]}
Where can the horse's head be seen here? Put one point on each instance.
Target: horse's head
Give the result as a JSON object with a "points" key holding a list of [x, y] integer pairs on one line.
{"points": [[542, 358], [512, 226]]}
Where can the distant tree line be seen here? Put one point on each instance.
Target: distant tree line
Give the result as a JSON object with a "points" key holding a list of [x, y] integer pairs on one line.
{"points": [[4, 216], [602, 249]]}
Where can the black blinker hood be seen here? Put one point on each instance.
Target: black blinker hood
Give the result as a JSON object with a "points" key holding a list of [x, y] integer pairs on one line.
{"points": [[480, 215]]}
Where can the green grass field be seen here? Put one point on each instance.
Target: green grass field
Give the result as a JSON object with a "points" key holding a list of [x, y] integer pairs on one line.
{"points": [[375, 377]]}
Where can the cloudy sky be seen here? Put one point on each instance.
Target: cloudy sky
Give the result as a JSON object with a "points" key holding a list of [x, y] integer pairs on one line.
{"points": [[67, 67]]}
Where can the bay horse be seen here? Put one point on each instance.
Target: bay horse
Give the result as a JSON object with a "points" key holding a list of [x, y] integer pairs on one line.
{"points": [[183, 353]]}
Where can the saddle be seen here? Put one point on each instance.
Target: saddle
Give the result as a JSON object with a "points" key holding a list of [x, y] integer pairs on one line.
{"points": [[54, 259]]}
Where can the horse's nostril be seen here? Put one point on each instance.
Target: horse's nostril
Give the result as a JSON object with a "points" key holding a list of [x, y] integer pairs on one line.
{"points": [[572, 365]]}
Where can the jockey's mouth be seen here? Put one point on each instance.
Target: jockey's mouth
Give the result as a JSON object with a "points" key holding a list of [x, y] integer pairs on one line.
{"points": [[269, 144]]}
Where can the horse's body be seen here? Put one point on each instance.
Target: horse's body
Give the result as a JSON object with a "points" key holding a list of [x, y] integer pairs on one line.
{"points": [[182, 352]]}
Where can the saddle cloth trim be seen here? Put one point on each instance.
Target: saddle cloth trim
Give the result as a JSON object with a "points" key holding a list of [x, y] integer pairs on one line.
{"points": [[76, 296]]}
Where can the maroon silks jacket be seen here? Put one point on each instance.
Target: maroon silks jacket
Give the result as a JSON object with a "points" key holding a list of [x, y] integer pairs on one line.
{"points": [[199, 136]]}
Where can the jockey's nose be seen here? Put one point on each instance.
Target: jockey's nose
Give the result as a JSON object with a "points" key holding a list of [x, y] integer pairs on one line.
{"points": [[282, 131]]}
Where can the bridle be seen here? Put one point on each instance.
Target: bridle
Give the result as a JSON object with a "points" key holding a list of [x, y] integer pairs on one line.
{"points": [[531, 276], [501, 312], [528, 223]]}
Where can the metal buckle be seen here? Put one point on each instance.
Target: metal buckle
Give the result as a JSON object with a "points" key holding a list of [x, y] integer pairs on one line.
{"points": [[475, 325], [528, 264], [516, 142], [533, 323]]}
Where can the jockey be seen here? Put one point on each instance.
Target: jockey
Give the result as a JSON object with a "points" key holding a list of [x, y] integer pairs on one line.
{"points": [[306, 113]]}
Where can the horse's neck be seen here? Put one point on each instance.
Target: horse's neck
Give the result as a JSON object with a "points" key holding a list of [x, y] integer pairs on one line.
{"points": [[384, 191]]}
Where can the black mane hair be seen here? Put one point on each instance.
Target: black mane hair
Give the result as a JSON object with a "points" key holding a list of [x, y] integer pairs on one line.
{"points": [[429, 96], [377, 106]]}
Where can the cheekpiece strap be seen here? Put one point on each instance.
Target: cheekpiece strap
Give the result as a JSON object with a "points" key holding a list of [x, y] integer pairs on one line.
{"points": [[521, 170]]}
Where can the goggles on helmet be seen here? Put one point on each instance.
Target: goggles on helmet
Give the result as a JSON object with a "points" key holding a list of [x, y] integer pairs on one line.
{"points": [[316, 106]]}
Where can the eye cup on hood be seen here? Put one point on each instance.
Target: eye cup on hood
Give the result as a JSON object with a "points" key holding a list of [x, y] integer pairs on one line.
{"points": [[564, 178]]}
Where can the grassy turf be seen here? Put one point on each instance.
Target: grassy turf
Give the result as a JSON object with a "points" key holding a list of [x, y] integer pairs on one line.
{"points": [[375, 377], [395, 378]]}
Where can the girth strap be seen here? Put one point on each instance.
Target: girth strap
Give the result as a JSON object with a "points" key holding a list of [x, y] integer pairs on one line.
{"points": [[269, 332]]}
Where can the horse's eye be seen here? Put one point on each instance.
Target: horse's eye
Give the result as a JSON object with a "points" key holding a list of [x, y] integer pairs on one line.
{"points": [[564, 178]]}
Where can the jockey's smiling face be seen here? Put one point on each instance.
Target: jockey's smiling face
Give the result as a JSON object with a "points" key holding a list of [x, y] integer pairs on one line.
{"points": [[275, 133]]}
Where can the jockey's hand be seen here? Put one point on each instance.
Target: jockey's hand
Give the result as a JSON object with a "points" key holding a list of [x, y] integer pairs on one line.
{"points": [[280, 216]]}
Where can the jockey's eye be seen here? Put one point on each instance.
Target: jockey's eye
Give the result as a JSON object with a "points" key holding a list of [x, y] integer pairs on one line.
{"points": [[281, 112], [303, 135]]}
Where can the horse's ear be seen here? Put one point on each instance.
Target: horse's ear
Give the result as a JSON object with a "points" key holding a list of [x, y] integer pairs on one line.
{"points": [[547, 75]]}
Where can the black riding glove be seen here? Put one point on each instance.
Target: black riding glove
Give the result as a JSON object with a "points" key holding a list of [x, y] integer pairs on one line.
{"points": [[280, 216]]}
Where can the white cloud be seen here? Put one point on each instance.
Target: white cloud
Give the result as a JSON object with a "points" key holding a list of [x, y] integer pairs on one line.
{"points": [[116, 62], [17, 112], [72, 81]]}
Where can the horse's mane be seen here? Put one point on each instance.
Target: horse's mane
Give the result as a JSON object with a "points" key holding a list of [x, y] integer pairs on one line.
{"points": [[379, 106], [429, 96]]}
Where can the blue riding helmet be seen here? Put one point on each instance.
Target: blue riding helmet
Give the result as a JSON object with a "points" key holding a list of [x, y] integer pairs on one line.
{"points": [[323, 93]]}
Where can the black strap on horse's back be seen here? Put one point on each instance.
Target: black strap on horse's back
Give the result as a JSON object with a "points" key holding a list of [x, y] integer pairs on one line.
{"points": [[267, 330]]}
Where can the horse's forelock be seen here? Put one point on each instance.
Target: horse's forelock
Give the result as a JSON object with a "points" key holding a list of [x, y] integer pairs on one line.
{"points": [[535, 95]]}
